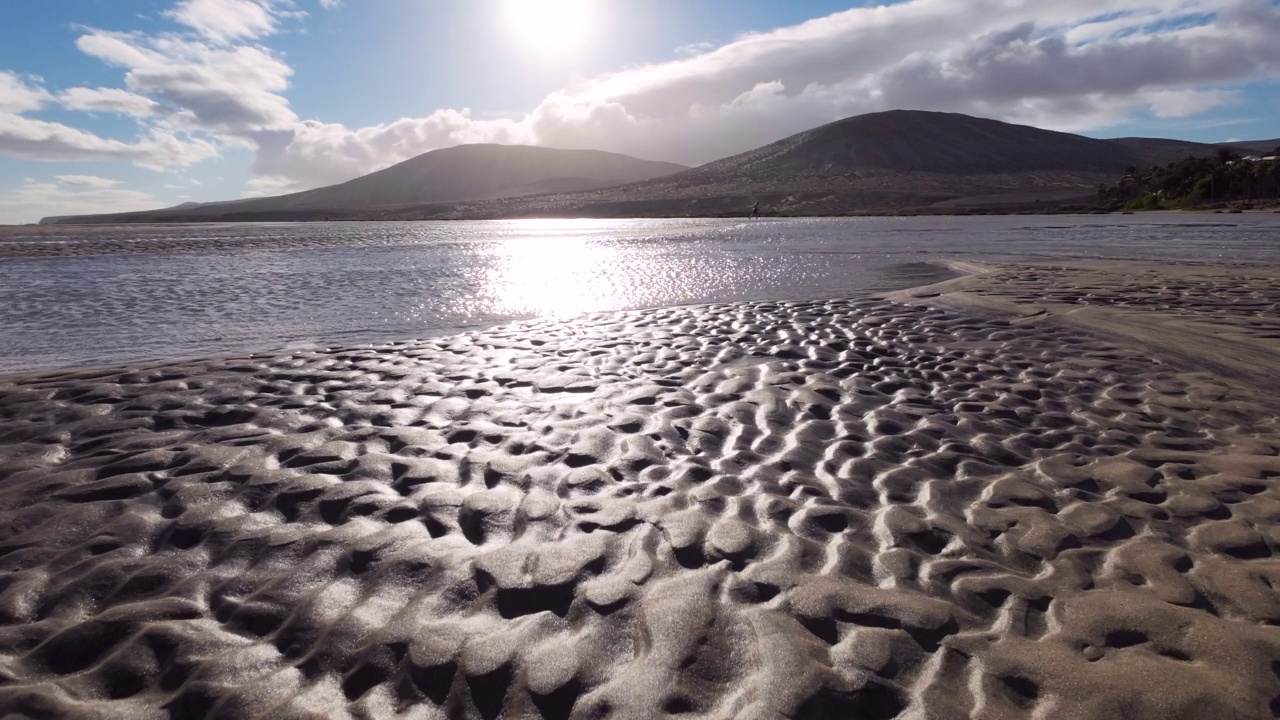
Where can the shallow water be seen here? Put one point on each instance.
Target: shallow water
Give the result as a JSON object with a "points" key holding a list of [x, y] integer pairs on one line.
{"points": [[402, 280]]}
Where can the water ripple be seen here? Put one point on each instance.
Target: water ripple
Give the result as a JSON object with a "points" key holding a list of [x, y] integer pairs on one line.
{"points": [[266, 286]]}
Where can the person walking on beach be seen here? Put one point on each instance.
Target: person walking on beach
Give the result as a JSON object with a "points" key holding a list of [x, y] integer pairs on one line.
{"points": [[755, 209]]}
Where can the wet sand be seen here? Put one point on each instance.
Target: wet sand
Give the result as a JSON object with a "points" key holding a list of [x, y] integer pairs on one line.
{"points": [[1033, 492]]}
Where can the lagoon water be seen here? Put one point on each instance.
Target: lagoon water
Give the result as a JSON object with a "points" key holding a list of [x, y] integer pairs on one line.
{"points": [[248, 288]]}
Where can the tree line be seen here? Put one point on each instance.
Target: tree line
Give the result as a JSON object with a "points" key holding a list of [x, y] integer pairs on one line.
{"points": [[1195, 181]]}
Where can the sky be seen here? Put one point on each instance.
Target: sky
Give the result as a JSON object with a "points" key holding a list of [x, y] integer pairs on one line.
{"points": [[112, 105]]}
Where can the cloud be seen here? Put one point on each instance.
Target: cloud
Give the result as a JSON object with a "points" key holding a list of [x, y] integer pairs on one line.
{"points": [[1067, 66], [233, 91], [693, 49], [1008, 59], [18, 96], [330, 4], [314, 153], [225, 21], [108, 100], [34, 200], [1182, 103], [266, 185], [33, 139], [87, 181]]}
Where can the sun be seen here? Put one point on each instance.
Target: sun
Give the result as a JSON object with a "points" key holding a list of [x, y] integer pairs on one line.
{"points": [[551, 26]]}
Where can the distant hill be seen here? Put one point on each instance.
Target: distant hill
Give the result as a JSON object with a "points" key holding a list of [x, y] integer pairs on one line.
{"points": [[1152, 152], [1256, 147], [882, 161], [457, 174], [896, 160]]}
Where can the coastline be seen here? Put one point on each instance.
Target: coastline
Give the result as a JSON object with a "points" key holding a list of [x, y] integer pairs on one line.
{"points": [[1032, 490], [1216, 318], [34, 242], [959, 211]]}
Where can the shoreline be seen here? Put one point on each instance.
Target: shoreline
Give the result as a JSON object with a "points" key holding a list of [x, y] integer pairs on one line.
{"points": [[1236, 339], [40, 248], [957, 267], [1013, 208], [976, 498]]}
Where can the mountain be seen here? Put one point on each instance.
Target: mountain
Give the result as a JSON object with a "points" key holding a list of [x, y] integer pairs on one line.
{"points": [[870, 163], [480, 172], [457, 174], [888, 161], [1255, 147], [1152, 152]]}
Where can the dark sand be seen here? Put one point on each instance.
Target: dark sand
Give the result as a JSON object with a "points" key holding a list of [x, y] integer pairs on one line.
{"points": [[985, 500]]}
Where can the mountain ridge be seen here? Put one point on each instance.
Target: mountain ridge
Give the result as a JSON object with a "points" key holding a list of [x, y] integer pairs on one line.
{"points": [[1263, 147], [461, 173], [888, 161], [879, 162]]}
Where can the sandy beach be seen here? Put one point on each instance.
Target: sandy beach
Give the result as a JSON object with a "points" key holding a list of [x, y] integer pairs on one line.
{"points": [[1036, 491]]}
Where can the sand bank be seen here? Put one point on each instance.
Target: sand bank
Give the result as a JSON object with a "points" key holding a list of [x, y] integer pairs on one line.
{"points": [[946, 507], [1224, 319]]}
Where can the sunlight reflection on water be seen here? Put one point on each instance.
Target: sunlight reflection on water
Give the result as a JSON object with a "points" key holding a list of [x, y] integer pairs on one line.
{"points": [[266, 286], [555, 276]]}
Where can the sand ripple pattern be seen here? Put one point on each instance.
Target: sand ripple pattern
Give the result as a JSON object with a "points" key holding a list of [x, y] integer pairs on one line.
{"points": [[835, 509], [1249, 305]]}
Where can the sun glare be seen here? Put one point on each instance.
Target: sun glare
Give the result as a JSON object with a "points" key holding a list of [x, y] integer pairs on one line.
{"points": [[551, 25]]}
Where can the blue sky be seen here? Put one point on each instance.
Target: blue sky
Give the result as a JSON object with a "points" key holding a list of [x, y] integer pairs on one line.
{"points": [[120, 104]]}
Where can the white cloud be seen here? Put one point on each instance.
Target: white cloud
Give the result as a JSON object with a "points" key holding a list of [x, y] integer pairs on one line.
{"points": [[330, 4], [18, 96], [1003, 58], [1182, 103], [313, 153], [693, 49], [265, 185], [107, 100], [229, 90], [33, 200], [226, 20], [87, 181], [33, 139], [1067, 66]]}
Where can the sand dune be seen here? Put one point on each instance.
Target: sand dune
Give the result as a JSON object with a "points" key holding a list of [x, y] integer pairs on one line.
{"points": [[853, 508]]}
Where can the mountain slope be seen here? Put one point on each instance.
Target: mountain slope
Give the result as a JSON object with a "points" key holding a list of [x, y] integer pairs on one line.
{"points": [[1152, 152], [881, 161], [892, 160], [457, 174], [912, 141], [481, 172], [909, 142], [1255, 147]]}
